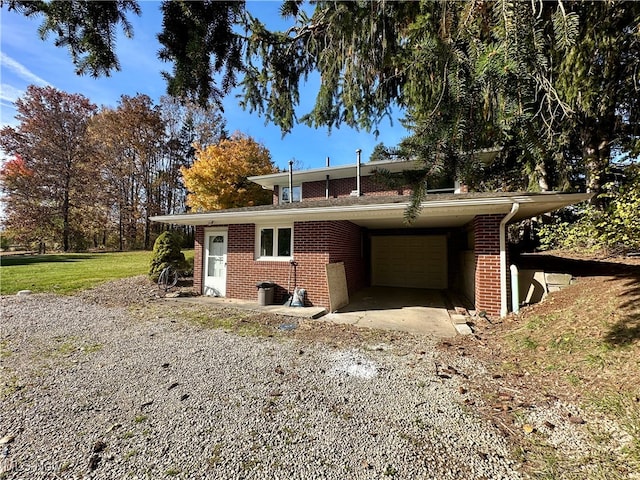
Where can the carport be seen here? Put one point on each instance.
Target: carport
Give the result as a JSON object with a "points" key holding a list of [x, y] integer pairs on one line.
{"points": [[456, 243]]}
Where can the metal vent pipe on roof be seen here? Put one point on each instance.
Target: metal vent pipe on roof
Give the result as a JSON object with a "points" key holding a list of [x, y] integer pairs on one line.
{"points": [[326, 186], [359, 192], [290, 181]]}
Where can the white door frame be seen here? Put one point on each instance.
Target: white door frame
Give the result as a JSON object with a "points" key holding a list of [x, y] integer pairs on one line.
{"points": [[211, 286]]}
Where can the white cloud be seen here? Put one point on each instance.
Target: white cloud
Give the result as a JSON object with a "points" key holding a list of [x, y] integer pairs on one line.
{"points": [[9, 94], [11, 64]]}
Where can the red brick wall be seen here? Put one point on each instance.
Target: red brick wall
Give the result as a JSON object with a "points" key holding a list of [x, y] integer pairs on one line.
{"points": [[319, 243], [487, 257], [315, 245], [347, 246], [243, 271], [342, 187], [198, 259], [310, 251]]}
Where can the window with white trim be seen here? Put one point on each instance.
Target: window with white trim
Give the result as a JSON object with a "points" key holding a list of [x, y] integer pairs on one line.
{"points": [[284, 194], [274, 242]]}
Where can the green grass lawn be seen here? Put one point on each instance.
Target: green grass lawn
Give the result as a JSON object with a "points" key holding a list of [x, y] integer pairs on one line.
{"points": [[70, 272]]}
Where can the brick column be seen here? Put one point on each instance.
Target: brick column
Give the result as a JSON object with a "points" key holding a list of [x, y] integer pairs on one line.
{"points": [[198, 259], [487, 263]]}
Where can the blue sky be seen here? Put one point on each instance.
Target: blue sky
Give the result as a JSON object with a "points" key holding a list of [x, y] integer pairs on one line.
{"points": [[25, 60]]}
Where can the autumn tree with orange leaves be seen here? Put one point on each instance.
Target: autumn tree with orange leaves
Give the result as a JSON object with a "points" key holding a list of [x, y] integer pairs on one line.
{"points": [[51, 182], [218, 177]]}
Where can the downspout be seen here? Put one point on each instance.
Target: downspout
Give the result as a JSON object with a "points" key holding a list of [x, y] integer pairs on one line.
{"points": [[503, 258], [290, 181], [358, 151]]}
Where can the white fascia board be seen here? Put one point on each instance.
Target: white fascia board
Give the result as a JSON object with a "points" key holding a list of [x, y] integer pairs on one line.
{"points": [[530, 205]]}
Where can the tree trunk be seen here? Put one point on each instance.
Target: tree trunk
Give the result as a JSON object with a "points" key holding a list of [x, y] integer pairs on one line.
{"points": [[147, 230], [596, 153], [543, 177], [65, 215], [120, 228]]}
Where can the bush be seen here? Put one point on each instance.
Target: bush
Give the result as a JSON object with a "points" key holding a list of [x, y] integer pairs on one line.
{"points": [[5, 241], [615, 228], [579, 234], [166, 251]]}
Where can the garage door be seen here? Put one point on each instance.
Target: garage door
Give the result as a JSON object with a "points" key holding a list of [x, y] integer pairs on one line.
{"points": [[418, 261]]}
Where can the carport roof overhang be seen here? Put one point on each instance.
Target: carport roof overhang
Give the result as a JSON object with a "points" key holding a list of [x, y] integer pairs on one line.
{"points": [[438, 211]]}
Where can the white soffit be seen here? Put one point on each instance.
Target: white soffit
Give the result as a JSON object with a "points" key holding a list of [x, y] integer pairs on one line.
{"points": [[269, 181], [339, 171]]}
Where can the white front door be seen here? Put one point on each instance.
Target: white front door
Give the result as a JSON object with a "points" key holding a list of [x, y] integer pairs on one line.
{"points": [[215, 263]]}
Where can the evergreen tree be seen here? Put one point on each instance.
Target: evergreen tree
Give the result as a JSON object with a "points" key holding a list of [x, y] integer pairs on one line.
{"points": [[87, 28]]}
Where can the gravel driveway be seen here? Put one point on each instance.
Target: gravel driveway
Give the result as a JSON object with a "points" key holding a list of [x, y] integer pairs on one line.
{"points": [[91, 391]]}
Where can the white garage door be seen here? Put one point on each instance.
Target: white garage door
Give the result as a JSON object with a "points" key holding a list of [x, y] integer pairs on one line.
{"points": [[418, 261]]}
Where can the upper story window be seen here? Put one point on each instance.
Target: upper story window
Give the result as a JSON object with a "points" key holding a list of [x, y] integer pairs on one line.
{"points": [[274, 242], [297, 194]]}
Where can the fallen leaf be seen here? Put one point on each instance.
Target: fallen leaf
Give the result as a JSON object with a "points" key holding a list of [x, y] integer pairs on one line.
{"points": [[98, 446], [93, 462]]}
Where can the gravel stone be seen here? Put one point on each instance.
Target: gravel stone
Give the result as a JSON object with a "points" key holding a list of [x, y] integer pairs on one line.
{"points": [[91, 390]]}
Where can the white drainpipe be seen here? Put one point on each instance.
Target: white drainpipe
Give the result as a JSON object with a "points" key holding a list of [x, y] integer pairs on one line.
{"points": [[503, 259]]}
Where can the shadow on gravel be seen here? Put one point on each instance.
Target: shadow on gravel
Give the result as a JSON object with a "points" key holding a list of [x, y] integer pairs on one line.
{"points": [[626, 330]]}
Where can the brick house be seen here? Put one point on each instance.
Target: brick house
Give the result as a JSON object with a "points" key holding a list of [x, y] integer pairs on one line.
{"points": [[341, 214]]}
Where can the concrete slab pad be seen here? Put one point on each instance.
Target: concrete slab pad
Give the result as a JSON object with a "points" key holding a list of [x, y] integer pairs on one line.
{"points": [[411, 310]]}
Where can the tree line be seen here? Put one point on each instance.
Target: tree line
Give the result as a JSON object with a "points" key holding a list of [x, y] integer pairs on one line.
{"points": [[86, 177]]}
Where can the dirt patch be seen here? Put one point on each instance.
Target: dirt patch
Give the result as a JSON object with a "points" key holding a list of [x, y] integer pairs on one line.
{"points": [[132, 291], [576, 351], [141, 294]]}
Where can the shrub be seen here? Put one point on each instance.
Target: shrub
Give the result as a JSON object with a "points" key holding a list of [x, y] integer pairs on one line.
{"points": [[580, 233], [5, 241], [615, 228], [166, 251]]}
